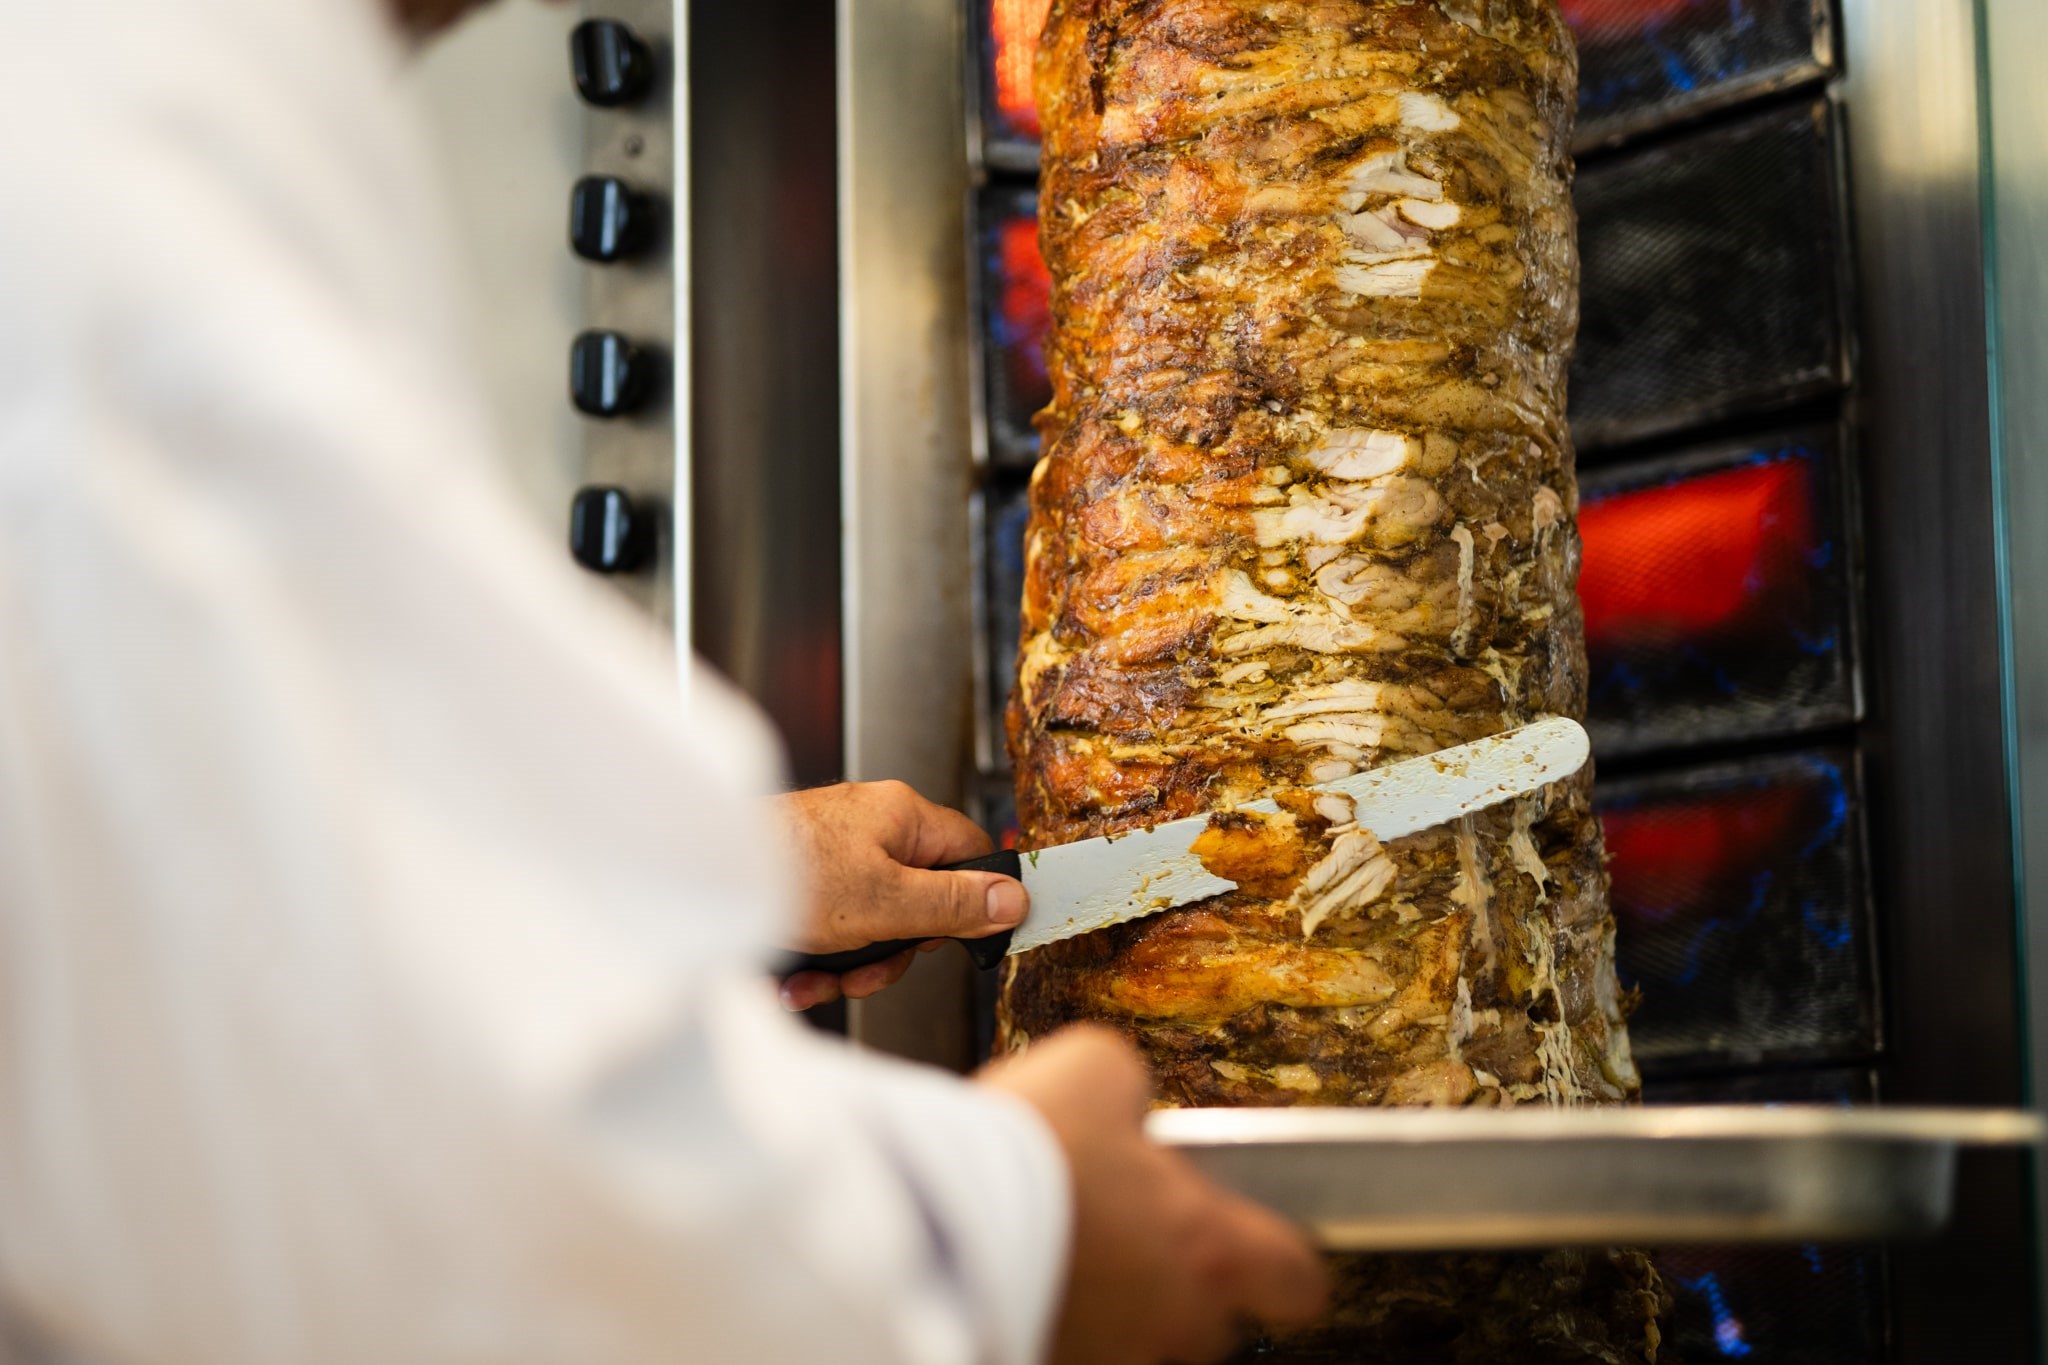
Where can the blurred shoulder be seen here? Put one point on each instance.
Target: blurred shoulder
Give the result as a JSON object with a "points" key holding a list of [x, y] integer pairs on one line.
{"points": [[164, 151]]}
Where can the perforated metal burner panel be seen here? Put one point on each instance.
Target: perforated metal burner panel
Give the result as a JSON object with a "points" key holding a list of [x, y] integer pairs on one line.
{"points": [[1014, 302], [1797, 1305], [1713, 277], [1743, 912], [1646, 63], [1718, 587]]}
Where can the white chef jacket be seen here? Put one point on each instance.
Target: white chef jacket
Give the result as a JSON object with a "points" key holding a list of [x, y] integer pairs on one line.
{"points": [[379, 943]]}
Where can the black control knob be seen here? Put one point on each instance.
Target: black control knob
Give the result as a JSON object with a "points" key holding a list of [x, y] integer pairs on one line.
{"points": [[607, 533], [609, 220], [608, 375], [612, 65]]}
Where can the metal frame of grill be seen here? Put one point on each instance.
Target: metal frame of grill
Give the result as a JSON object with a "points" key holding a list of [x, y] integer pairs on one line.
{"points": [[1860, 388]]}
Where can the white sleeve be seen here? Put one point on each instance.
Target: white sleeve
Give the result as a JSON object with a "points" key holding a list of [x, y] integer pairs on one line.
{"points": [[379, 947]]}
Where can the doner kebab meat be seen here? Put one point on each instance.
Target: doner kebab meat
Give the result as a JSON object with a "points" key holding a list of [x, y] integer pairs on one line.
{"points": [[1306, 507]]}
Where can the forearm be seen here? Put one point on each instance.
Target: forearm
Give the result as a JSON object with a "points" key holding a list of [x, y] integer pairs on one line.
{"points": [[929, 1214]]}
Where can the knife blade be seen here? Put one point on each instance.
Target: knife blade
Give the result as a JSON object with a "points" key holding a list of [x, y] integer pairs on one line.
{"points": [[1091, 884]]}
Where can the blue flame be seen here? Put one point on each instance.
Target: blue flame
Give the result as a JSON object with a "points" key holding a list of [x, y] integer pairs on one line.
{"points": [[1838, 807], [1728, 1339], [1696, 949], [1688, 54], [1832, 926]]}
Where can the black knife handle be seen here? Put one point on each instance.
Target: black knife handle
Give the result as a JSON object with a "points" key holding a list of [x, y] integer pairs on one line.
{"points": [[986, 952]]}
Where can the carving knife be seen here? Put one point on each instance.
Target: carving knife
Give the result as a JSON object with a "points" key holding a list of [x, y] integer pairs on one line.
{"points": [[1091, 884]]}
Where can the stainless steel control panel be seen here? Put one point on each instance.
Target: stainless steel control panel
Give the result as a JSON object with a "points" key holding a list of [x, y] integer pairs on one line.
{"points": [[626, 222]]}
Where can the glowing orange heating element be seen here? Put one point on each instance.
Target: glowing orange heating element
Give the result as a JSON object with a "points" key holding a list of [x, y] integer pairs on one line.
{"points": [[1026, 307], [1673, 859], [1692, 556], [1015, 26]]}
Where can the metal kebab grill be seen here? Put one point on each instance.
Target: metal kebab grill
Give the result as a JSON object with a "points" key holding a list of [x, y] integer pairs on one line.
{"points": [[1719, 576]]}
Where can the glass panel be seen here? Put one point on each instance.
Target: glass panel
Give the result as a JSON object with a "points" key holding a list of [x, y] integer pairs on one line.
{"points": [[1740, 899], [2016, 36], [1716, 587], [1016, 316], [1646, 62], [1711, 277]]}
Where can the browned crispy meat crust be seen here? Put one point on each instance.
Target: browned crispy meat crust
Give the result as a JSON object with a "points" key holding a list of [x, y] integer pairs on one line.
{"points": [[1306, 508], [1532, 1308]]}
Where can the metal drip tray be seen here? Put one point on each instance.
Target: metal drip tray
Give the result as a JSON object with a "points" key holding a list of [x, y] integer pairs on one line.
{"points": [[1443, 1180]]}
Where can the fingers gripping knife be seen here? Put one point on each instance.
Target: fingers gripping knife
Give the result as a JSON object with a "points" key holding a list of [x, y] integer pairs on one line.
{"points": [[1091, 884]]}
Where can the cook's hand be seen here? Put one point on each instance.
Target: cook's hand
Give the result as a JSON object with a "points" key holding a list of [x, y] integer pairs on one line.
{"points": [[869, 847], [1166, 1266]]}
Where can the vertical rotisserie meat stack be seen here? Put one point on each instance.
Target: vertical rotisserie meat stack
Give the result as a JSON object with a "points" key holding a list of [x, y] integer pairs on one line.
{"points": [[1306, 508]]}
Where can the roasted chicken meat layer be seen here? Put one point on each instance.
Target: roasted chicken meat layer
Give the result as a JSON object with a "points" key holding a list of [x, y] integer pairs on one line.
{"points": [[1306, 507]]}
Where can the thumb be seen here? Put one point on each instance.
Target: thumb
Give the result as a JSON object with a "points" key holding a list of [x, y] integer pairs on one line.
{"points": [[932, 904]]}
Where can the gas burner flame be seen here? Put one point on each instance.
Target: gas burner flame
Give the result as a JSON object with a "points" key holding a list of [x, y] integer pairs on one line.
{"points": [[1014, 26]]}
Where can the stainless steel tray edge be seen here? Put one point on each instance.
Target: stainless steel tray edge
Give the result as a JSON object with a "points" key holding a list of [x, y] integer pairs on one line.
{"points": [[1412, 1180]]}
